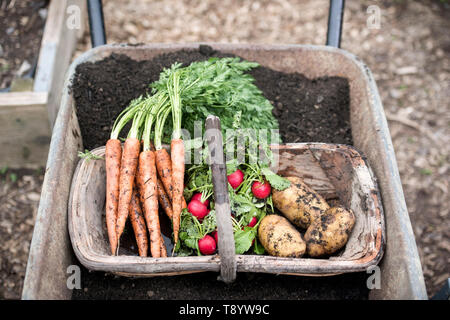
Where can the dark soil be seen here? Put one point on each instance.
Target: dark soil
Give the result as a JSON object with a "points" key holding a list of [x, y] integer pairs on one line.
{"points": [[205, 286], [21, 32], [20, 191], [314, 110], [307, 110]]}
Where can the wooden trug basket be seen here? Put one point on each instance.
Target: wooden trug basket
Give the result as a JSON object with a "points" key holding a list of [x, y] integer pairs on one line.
{"points": [[337, 172]]}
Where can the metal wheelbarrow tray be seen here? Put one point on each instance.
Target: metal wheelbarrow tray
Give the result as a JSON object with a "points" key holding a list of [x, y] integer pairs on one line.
{"points": [[401, 273]]}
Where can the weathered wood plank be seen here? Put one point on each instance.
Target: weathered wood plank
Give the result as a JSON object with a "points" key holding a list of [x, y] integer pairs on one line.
{"points": [[14, 99], [222, 201], [46, 275], [27, 118], [61, 31], [303, 164], [24, 129]]}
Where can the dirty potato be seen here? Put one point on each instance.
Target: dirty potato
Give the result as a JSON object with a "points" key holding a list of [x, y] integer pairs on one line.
{"points": [[280, 238], [299, 203], [330, 232]]}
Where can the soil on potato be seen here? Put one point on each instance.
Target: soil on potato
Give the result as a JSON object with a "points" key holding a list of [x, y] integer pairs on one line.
{"points": [[308, 110], [22, 26]]}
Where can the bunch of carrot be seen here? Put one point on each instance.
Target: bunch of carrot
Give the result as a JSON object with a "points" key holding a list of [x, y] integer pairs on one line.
{"points": [[139, 175], [140, 178]]}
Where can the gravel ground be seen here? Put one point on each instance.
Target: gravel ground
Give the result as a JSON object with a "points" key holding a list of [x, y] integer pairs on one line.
{"points": [[20, 191], [22, 26], [408, 55]]}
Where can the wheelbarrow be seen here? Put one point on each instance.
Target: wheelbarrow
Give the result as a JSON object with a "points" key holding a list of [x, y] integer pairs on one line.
{"points": [[400, 269]]}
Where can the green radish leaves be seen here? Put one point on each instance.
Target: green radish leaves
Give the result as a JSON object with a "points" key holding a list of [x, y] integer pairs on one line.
{"points": [[243, 239], [218, 86], [192, 230], [275, 180]]}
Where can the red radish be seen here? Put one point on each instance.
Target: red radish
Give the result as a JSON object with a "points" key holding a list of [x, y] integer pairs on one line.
{"points": [[214, 235], [198, 209], [207, 245], [261, 190], [235, 179], [253, 242], [253, 222], [198, 196]]}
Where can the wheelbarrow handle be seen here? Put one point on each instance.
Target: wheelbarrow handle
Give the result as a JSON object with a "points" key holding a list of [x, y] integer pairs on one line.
{"points": [[96, 22], [225, 234], [335, 20]]}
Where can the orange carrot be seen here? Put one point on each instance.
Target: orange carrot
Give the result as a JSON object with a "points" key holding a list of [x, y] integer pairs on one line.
{"points": [[164, 166], [171, 169], [148, 179], [163, 248], [139, 186], [177, 156], [113, 154], [138, 223], [163, 199], [130, 156]]}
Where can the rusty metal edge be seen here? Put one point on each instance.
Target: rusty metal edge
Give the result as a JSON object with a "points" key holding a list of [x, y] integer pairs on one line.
{"points": [[414, 271]]}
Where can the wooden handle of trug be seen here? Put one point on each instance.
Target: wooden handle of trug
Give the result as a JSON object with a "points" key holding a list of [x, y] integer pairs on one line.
{"points": [[222, 201]]}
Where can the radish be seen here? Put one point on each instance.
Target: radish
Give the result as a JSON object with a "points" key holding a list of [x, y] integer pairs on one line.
{"points": [[235, 179], [253, 222], [261, 190], [214, 235], [198, 209], [198, 196], [207, 245]]}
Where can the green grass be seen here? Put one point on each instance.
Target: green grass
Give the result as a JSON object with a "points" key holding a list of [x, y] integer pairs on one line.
{"points": [[3, 170], [12, 177], [426, 171]]}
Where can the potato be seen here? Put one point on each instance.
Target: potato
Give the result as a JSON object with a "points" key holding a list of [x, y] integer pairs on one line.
{"points": [[329, 233], [299, 203], [280, 238]]}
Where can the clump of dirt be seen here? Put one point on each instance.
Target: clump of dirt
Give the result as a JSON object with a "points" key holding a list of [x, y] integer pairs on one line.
{"points": [[22, 26], [308, 110]]}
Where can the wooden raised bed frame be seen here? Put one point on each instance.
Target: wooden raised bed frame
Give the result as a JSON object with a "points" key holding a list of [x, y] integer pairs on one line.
{"points": [[400, 269], [26, 118]]}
